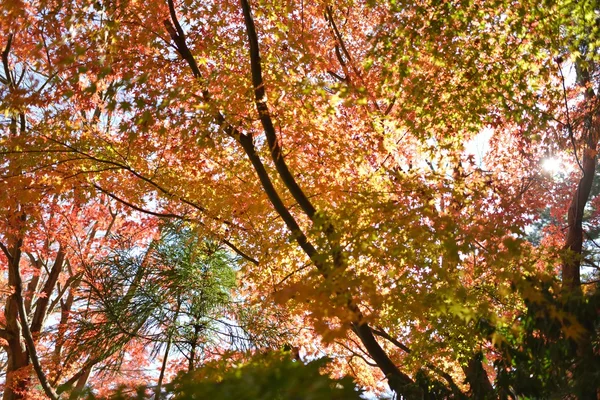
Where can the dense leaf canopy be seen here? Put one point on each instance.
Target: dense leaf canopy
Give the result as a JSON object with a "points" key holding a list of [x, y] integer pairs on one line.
{"points": [[407, 188]]}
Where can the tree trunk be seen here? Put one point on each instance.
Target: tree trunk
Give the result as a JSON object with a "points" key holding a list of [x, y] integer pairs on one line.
{"points": [[81, 382], [477, 378], [571, 259], [162, 371], [17, 371]]}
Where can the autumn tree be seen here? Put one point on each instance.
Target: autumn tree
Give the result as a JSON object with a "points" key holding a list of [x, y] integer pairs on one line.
{"points": [[328, 146]]}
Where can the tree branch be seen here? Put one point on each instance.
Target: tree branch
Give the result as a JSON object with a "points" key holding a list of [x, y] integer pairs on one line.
{"points": [[27, 332], [137, 208], [380, 332], [455, 389], [260, 100], [569, 126], [5, 251], [178, 37], [5, 54], [177, 216], [41, 307]]}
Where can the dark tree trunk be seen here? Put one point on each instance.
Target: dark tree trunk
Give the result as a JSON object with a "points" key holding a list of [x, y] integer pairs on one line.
{"points": [[17, 371]]}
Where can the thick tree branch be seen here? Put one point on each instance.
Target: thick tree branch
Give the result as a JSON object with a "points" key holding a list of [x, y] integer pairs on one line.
{"points": [[478, 380], [178, 36], [239, 252], [336, 76], [72, 279], [71, 381], [569, 126], [260, 99], [340, 41], [397, 379], [280, 208], [80, 385], [32, 286]]}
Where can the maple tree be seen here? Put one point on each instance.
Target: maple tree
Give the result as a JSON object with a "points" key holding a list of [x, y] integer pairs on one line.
{"points": [[326, 146]]}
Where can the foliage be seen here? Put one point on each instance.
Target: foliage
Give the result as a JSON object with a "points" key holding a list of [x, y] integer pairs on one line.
{"points": [[542, 357], [270, 376], [175, 290], [329, 146], [262, 376]]}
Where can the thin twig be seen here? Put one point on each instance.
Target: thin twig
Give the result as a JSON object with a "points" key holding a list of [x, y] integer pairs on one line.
{"points": [[569, 126]]}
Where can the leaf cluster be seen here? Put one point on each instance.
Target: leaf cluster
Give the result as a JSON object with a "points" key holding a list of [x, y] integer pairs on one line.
{"points": [[268, 376], [553, 352]]}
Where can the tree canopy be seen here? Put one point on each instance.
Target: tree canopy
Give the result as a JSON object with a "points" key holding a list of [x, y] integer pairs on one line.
{"points": [[407, 188]]}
